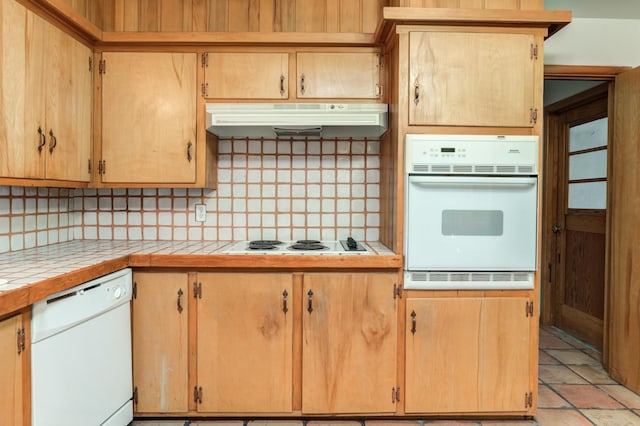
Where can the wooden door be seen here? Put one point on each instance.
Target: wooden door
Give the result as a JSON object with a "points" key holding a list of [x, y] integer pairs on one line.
{"points": [[149, 117], [474, 351], [10, 372], [338, 75], [68, 107], [245, 342], [578, 139], [471, 79], [623, 333], [160, 342], [22, 96], [248, 75], [349, 343]]}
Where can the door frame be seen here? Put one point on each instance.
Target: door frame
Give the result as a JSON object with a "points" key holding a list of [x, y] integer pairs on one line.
{"points": [[549, 198]]}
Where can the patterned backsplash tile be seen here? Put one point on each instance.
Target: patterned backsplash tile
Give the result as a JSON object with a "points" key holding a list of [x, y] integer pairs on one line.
{"points": [[268, 189]]}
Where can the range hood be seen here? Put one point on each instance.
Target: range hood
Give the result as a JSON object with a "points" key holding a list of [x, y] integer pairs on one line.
{"points": [[297, 120]]}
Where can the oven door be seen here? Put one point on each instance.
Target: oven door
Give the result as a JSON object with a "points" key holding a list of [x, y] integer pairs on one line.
{"points": [[471, 223]]}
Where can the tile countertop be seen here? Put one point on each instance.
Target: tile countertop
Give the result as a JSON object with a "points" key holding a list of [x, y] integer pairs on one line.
{"points": [[33, 274]]}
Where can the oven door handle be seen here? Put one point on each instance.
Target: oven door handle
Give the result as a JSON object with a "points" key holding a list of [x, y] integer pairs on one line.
{"points": [[457, 181]]}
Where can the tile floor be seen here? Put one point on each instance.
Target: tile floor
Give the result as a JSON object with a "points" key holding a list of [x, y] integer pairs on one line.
{"points": [[574, 390]]}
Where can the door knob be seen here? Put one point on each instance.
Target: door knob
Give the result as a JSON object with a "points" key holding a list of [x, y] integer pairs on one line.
{"points": [[556, 229]]}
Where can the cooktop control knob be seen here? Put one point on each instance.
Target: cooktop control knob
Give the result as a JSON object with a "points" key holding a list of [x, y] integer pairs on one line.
{"points": [[351, 243], [117, 292]]}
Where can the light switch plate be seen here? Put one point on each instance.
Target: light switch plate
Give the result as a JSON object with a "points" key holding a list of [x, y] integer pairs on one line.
{"points": [[201, 212]]}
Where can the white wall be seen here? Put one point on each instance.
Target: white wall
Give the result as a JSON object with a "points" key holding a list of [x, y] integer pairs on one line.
{"points": [[589, 41]]}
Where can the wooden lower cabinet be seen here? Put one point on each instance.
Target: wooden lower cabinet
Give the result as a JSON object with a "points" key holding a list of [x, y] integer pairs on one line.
{"points": [[244, 344], [349, 345], [468, 355], [160, 342], [12, 354]]}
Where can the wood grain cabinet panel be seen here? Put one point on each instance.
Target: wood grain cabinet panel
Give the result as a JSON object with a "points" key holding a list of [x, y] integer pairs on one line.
{"points": [[467, 355], [244, 345], [247, 75], [149, 118], [461, 78], [11, 371], [160, 342], [349, 343], [45, 107], [338, 75]]}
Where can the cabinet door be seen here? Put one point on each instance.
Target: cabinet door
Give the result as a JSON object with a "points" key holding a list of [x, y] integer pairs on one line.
{"points": [[245, 338], [21, 92], [474, 351], [349, 343], [247, 75], [68, 107], [160, 342], [149, 117], [10, 372], [471, 79], [338, 75]]}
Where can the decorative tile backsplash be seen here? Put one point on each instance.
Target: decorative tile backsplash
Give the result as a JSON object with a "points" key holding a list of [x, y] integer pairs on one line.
{"points": [[267, 189]]}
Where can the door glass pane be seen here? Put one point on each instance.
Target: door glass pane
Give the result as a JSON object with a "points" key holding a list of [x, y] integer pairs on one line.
{"points": [[588, 135], [588, 195], [472, 222], [588, 165]]}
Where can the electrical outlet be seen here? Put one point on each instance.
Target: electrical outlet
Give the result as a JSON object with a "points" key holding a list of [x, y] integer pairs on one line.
{"points": [[201, 212]]}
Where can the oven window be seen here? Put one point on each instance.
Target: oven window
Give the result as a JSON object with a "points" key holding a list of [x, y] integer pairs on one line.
{"points": [[472, 222]]}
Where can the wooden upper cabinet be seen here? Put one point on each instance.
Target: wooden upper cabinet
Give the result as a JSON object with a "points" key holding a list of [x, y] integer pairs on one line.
{"points": [[46, 107], [338, 75], [247, 75], [148, 118], [459, 78], [160, 342], [11, 371], [468, 355], [349, 343], [245, 342]]}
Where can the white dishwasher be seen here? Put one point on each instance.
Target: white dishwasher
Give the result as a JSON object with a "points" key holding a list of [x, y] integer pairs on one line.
{"points": [[81, 355]]}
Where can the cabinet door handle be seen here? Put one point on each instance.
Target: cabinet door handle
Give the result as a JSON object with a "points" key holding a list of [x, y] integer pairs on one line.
{"points": [[413, 322], [281, 85], [189, 156], [302, 84], [310, 301], [54, 141], [284, 301], [180, 293], [416, 93], [43, 139]]}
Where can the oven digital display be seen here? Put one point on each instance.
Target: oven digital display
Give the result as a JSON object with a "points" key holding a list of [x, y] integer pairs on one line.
{"points": [[447, 150]]}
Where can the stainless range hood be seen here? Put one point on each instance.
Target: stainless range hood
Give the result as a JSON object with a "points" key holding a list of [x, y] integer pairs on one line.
{"points": [[297, 120]]}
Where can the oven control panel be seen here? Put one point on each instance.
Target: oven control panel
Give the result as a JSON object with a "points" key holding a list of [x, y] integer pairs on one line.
{"points": [[471, 154]]}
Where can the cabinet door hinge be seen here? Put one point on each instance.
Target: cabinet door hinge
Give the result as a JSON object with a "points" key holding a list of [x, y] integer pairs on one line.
{"points": [[197, 394], [102, 66], [397, 291], [135, 395], [381, 60], [197, 290], [533, 115], [529, 309], [89, 165], [134, 291], [90, 64], [204, 60], [528, 399], [204, 89], [20, 340], [102, 167], [379, 90], [395, 395], [534, 51]]}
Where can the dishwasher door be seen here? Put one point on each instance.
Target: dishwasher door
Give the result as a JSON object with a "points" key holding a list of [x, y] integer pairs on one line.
{"points": [[81, 355]]}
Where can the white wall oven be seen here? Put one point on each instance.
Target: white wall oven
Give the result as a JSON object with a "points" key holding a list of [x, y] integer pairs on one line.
{"points": [[471, 211]]}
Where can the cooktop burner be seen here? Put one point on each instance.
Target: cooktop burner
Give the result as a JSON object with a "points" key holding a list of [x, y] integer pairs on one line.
{"points": [[306, 245], [264, 244]]}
